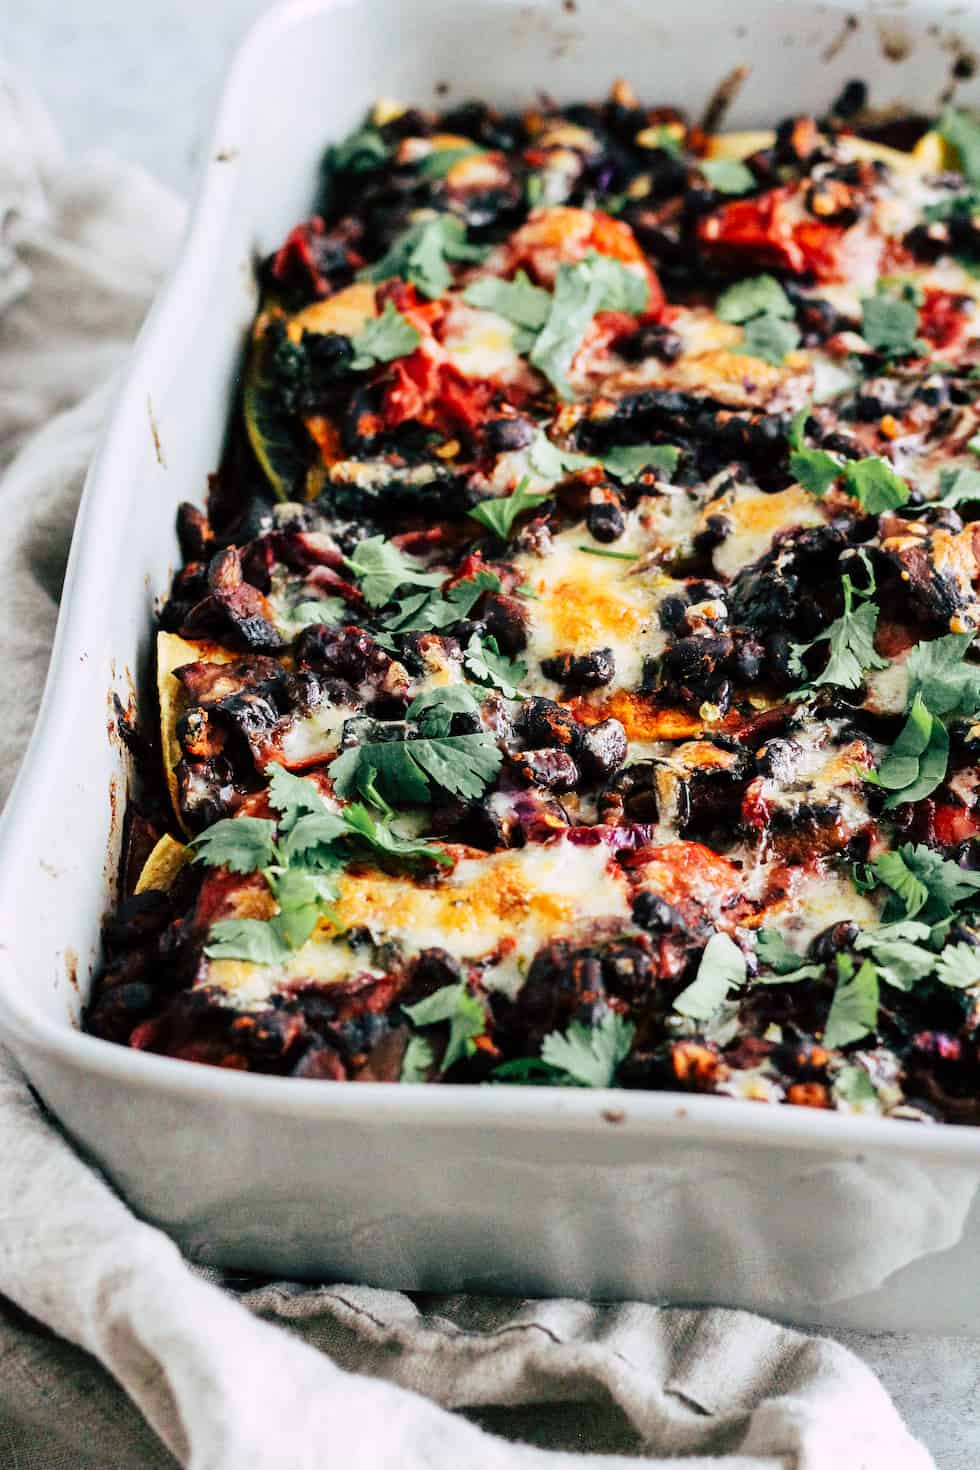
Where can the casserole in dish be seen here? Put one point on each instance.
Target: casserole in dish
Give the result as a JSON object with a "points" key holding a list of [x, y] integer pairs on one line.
{"points": [[637, 1195]]}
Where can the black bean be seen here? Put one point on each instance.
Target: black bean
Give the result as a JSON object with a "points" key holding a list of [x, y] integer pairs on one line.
{"points": [[581, 670], [603, 749]]}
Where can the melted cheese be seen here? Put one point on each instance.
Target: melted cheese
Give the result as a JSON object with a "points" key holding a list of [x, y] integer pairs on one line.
{"points": [[587, 601], [500, 907], [757, 519], [480, 344]]}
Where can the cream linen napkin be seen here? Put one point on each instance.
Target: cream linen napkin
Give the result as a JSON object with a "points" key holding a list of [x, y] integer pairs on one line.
{"points": [[251, 1377]]}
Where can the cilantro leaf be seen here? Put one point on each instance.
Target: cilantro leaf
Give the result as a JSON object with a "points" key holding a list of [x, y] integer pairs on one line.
{"points": [[728, 175], [753, 297], [551, 463], [381, 837], [959, 485], [438, 163], [589, 1055], [627, 462], [240, 844], [892, 870], [939, 672], [499, 515], [426, 611], [854, 1009], [875, 485], [302, 897], [421, 254], [528, 1072], [926, 883], [722, 966], [292, 796], [401, 770], [899, 961], [381, 569], [889, 325], [518, 301], [311, 839], [959, 966], [815, 469], [853, 1085], [435, 708], [417, 1061], [257, 940], [462, 1009], [596, 283], [328, 610], [851, 638], [359, 152], [384, 338], [488, 665], [916, 763], [773, 951], [769, 338], [962, 133]]}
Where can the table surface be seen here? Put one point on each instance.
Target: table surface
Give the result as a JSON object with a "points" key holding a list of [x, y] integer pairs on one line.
{"points": [[143, 80]]}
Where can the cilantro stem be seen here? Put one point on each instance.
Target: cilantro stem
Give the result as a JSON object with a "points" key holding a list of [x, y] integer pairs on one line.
{"points": [[615, 555]]}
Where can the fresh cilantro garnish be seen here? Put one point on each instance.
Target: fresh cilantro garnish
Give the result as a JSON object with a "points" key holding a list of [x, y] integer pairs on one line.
{"points": [[761, 306], [962, 133], [959, 966], [959, 485], [754, 297], [384, 338], [434, 709], [627, 462], [462, 1009], [854, 1008], [728, 175], [258, 940], [487, 665], [518, 301], [551, 463], [433, 611], [939, 672], [875, 485], [438, 163], [360, 151], [417, 1061], [916, 763], [889, 325], [240, 844], [927, 885], [769, 338], [402, 770], [773, 951], [899, 960], [499, 515], [421, 255], [851, 638], [305, 614], [814, 469], [589, 1055], [853, 1085], [380, 569], [722, 966], [298, 863], [597, 283]]}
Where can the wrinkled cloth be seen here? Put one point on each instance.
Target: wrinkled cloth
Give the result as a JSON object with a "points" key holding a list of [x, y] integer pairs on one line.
{"points": [[113, 1350]]}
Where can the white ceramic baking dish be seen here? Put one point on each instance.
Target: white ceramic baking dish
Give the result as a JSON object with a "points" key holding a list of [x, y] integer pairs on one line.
{"points": [[814, 1217]]}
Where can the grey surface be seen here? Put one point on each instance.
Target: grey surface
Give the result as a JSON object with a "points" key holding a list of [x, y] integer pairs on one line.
{"points": [[143, 79]]}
